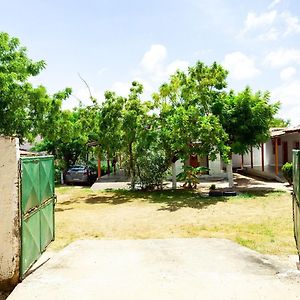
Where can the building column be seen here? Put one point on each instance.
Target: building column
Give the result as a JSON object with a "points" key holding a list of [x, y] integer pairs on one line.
{"points": [[262, 157], [276, 156]]}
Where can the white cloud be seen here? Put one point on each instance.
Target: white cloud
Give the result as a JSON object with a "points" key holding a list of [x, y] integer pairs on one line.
{"points": [[292, 23], [254, 21], [283, 57], [270, 25], [240, 66], [153, 58], [154, 68], [121, 88], [176, 65], [274, 3], [152, 71], [270, 35], [289, 96], [287, 73]]}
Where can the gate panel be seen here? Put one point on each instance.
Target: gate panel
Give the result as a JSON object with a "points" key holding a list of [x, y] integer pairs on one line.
{"points": [[37, 202], [47, 225], [31, 234], [30, 184], [46, 178]]}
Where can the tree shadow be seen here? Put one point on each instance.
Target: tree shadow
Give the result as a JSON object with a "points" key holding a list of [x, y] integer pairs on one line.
{"points": [[112, 199], [173, 200], [60, 209]]}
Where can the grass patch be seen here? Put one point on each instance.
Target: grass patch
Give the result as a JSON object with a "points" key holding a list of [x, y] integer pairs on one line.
{"points": [[259, 220]]}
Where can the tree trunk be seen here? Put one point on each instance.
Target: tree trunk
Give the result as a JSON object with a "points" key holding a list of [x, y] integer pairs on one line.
{"points": [[99, 162], [114, 165], [229, 173], [131, 167], [108, 165], [174, 183]]}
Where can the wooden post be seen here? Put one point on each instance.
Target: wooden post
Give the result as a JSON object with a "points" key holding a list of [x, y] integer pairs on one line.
{"points": [[251, 155], [262, 157], [276, 156], [242, 164]]}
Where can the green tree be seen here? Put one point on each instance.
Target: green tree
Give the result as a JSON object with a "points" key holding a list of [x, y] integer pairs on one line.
{"points": [[187, 125], [66, 139], [24, 109], [279, 122], [134, 122], [246, 117], [110, 125]]}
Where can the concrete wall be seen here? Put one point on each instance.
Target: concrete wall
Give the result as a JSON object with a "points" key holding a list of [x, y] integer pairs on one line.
{"points": [[269, 156], [237, 159], [9, 212], [291, 139], [215, 166]]}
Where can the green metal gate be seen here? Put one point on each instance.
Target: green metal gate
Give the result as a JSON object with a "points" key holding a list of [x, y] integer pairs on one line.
{"points": [[296, 197], [37, 208]]}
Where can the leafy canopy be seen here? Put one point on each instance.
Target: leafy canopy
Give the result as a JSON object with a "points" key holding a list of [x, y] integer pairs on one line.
{"points": [[24, 109], [246, 117]]}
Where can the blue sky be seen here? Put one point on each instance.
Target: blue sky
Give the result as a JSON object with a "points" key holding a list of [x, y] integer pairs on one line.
{"points": [[111, 43]]}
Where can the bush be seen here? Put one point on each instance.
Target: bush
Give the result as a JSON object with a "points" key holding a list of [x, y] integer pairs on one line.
{"points": [[57, 175], [151, 170], [190, 176], [287, 172]]}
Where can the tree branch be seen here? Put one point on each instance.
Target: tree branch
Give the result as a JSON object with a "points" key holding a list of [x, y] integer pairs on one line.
{"points": [[88, 87]]}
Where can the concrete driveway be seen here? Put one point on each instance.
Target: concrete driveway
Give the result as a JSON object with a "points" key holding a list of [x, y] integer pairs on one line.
{"points": [[159, 269]]}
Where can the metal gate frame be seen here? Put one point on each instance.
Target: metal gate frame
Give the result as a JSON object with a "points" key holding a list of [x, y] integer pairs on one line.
{"points": [[296, 198], [37, 201]]}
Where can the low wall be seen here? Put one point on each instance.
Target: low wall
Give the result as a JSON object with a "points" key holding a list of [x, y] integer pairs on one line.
{"points": [[9, 213]]}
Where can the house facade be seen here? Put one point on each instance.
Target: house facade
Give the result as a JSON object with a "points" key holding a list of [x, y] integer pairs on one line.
{"points": [[265, 161], [272, 155]]}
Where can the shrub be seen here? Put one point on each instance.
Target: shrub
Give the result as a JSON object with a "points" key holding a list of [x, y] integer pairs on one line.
{"points": [[190, 176], [151, 170], [287, 172]]}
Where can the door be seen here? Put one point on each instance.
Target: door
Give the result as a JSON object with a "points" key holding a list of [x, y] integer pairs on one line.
{"points": [[37, 208], [285, 156], [194, 161]]}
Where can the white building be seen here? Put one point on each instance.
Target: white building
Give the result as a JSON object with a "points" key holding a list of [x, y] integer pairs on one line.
{"points": [[271, 156]]}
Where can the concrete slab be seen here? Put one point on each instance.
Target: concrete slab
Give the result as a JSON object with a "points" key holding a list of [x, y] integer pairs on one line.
{"points": [[159, 269]]}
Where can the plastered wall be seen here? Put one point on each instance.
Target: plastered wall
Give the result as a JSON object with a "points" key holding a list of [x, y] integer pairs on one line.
{"points": [[9, 212]]}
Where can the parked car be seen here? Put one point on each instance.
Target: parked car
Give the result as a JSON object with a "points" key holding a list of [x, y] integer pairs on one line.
{"points": [[80, 174]]}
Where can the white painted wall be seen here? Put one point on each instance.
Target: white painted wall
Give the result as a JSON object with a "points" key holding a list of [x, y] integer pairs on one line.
{"points": [[215, 166], [9, 212], [237, 159], [290, 139], [269, 157]]}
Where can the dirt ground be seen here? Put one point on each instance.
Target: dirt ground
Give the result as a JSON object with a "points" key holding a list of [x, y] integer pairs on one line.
{"points": [[260, 217]]}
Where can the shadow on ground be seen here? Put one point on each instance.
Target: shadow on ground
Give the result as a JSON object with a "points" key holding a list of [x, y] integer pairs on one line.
{"points": [[171, 200]]}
